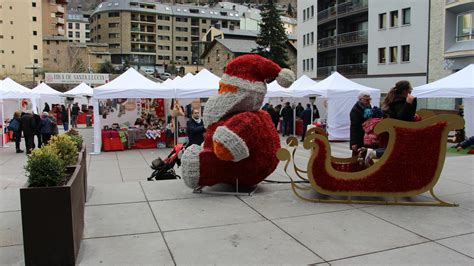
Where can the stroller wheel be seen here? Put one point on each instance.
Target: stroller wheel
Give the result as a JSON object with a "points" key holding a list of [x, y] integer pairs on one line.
{"points": [[178, 177], [150, 179]]}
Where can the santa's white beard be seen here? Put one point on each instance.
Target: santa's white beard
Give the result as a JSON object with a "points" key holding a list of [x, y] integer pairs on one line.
{"points": [[226, 103]]}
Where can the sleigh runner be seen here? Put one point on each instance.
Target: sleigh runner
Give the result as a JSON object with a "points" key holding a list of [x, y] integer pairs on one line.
{"points": [[411, 164]]}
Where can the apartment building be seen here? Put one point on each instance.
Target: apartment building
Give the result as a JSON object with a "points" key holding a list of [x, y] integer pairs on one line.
{"points": [[78, 26], [373, 42], [451, 45], [150, 34], [20, 38]]}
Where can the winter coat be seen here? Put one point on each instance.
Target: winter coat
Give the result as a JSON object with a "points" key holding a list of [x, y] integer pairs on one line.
{"points": [[64, 116], [400, 109], [273, 114], [46, 126], [356, 130], [195, 132], [287, 113], [306, 116], [299, 110], [28, 125]]}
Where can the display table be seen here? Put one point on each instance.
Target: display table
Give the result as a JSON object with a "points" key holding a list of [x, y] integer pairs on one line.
{"points": [[111, 141], [298, 129], [82, 118]]}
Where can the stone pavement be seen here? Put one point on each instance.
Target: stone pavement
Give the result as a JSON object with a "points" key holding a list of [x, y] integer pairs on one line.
{"points": [[132, 221]]}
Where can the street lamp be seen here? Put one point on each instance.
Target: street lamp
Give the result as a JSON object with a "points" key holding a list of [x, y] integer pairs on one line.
{"points": [[34, 72]]}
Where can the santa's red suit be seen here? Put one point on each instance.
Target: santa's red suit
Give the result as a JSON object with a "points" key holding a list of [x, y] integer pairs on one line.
{"points": [[241, 141]]}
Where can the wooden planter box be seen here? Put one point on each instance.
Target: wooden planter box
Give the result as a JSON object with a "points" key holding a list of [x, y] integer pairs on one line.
{"points": [[53, 219]]}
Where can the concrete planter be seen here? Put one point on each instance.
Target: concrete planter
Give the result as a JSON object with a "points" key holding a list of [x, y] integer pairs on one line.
{"points": [[53, 219]]}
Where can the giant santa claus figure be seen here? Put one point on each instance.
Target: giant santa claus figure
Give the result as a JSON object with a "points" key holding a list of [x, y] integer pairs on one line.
{"points": [[240, 140]]}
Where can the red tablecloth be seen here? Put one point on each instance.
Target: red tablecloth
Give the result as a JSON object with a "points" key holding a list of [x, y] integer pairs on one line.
{"points": [[111, 141], [81, 119]]}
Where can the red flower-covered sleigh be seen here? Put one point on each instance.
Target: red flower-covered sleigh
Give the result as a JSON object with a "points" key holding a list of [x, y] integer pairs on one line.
{"points": [[411, 164]]}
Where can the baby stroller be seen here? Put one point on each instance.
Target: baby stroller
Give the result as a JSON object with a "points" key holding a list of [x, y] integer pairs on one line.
{"points": [[164, 169]]}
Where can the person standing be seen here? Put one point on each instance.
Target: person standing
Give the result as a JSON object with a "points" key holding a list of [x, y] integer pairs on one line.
{"points": [[74, 114], [358, 117], [399, 103], [195, 128], [28, 127], [299, 110], [65, 118], [306, 117], [37, 130], [287, 114], [274, 115], [46, 128], [15, 126], [46, 108]]}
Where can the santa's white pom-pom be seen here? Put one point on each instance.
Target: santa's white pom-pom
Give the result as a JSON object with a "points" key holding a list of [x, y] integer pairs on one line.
{"points": [[285, 77]]}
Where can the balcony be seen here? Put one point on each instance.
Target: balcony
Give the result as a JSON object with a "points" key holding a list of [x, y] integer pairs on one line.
{"points": [[344, 39], [345, 8], [60, 20], [60, 9], [61, 31], [141, 50], [448, 2], [346, 70]]}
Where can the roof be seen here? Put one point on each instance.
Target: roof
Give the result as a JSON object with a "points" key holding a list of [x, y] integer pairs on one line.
{"points": [[239, 32], [74, 15], [239, 46], [175, 10]]}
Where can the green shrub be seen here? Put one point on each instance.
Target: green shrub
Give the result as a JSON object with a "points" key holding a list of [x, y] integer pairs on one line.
{"points": [[74, 134], [45, 168], [66, 148]]}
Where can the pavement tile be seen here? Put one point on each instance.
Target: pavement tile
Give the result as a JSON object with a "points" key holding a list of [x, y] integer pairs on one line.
{"points": [[134, 163], [118, 219], [202, 212], [11, 232], [135, 174], [12, 255], [463, 244], [143, 249], [423, 254], [10, 199], [465, 200], [104, 176], [115, 193], [281, 204], [448, 187], [430, 222], [459, 168], [169, 190], [103, 156], [346, 233], [256, 243]]}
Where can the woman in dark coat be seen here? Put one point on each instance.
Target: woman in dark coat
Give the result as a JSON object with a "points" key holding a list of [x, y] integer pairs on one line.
{"points": [[399, 103]]}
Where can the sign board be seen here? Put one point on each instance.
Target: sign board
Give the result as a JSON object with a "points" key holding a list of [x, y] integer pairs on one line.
{"points": [[76, 78]]}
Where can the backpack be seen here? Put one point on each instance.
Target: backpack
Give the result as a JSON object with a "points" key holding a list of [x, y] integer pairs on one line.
{"points": [[370, 138], [14, 125]]}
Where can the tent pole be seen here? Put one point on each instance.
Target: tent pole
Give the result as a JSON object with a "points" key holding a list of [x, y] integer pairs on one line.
{"points": [[97, 132], [3, 128]]}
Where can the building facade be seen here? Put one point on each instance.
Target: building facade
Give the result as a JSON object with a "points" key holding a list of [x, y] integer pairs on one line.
{"points": [[78, 26], [20, 38], [154, 35], [373, 42]]}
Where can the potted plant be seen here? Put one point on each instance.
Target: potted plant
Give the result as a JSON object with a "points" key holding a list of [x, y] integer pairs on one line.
{"points": [[74, 134], [52, 204]]}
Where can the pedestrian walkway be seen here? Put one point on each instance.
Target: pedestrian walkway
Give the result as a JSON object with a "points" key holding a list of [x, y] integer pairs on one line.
{"points": [[132, 221]]}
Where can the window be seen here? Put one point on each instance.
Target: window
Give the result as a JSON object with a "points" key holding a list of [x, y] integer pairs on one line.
{"points": [[35, 33], [180, 19], [1, 36], [181, 48], [394, 18], [160, 27], [34, 18], [312, 37], [382, 59], [208, 59], [393, 54], [12, 37], [160, 17], [203, 30], [113, 25], [33, 4], [114, 14], [312, 11], [69, 25], [69, 34], [203, 21], [114, 45], [405, 53], [78, 34], [35, 61], [382, 21], [465, 27], [406, 19], [304, 40], [13, 52], [304, 16], [182, 29], [312, 64], [11, 22], [35, 47]]}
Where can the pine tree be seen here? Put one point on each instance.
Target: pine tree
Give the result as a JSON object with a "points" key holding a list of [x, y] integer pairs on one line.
{"points": [[272, 39]]}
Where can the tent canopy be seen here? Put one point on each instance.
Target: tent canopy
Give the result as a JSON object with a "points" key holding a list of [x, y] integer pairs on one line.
{"points": [[132, 84], [300, 88], [80, 90], [457, 85], [9, 89], [46, 91], [204, 84], [341, 94]]}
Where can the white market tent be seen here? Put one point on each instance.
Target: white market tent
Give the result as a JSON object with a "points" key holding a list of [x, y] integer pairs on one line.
{"points": [[457, 85], [300, 88], [80, 91], [47, 94], [203, 85], [10, 90], [130, 84], [341, 94]]}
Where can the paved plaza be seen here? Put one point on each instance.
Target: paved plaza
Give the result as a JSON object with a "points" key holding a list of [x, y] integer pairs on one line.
{"points": [[131, 221]]}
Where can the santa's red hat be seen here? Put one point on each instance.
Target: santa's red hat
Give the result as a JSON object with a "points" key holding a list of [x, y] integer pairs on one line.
{"points": [[249, 72]]}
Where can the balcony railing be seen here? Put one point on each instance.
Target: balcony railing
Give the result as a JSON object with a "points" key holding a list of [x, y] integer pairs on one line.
{"points": [[343, 8], [350, 69], [60, 20], [138, 50], [61, 31], [60, 9], [354, 37], [448, 2]]}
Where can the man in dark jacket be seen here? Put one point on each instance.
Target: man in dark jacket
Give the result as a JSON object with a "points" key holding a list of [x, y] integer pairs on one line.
{"points": [[306, 117], [274, 115], [299, 110], [195, 128], [287, 115], [74, 114], [28, 127], [357, 119], [46, 128], [37, 130]]}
